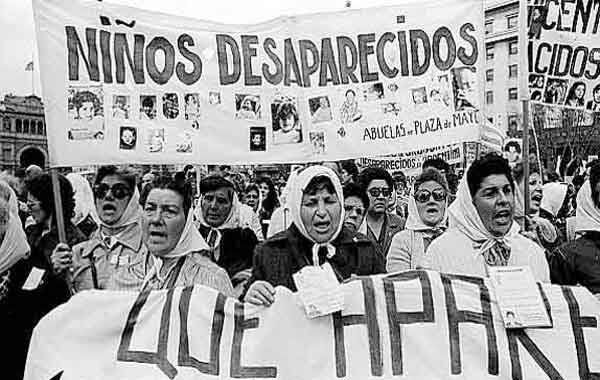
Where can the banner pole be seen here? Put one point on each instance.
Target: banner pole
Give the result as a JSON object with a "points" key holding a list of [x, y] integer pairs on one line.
{"points": [[58, 214], [526, 156]]}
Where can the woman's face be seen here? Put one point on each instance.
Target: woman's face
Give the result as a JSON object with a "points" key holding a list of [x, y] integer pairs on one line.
{"points": [[579, 91], [495, 202], [287, 123], [251, 199], [216, 206], [350, 97], [345, 177], [257, 140], [86, 111], [111, 204], [535, 192], [264, 189], [35, 208], [321, 214], [163, 221], [431, 211]]}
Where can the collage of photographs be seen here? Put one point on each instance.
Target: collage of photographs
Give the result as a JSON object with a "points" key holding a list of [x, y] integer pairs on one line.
{"points": [[141, 119], [564, 92]]}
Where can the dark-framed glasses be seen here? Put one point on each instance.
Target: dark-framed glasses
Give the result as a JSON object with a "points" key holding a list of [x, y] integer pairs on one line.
{"points": [[376, 191], [118, 190], [423, 196]]}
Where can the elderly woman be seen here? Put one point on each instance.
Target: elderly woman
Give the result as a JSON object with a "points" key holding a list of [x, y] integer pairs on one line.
{"points": [[577, 262], [178, 255], [482, 231], [112, 257], [315, 236], [426, 221], [13, 249]]}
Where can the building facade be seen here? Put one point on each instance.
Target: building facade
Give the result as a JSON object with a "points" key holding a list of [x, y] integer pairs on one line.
{"points": [[501, 98], [22, 133]]}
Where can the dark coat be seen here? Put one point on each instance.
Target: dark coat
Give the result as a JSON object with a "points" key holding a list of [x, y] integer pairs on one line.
{"points": [[282, 255], [391, 226], [578, 262], [23, 309], [235, 249]]}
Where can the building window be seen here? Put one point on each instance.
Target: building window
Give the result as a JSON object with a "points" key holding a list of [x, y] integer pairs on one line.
{"points": [[513, 71], [26, 126], [489, 53], [512, 93], [489, 26], [513, 47], [7, 153], [489, 97], [511, 21], [19, 126], [489, 75], [40, 128], [6, 124]]}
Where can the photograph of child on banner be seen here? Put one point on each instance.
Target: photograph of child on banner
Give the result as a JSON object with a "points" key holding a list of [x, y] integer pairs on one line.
{"points": [[594, 103], [86, 109], [320, 110], [287, 128], [464, 84], [350, 112], [556, 90], [575, 95], [128, 138], [192, 109], [170, 106], [147, 107], [258, 139], [247, 107], [120, 107]]}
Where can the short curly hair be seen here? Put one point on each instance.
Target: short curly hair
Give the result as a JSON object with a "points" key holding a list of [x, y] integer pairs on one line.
{"points": [[487, 165], [431, 174], [40, 187], [373, 173], [124, 173]]}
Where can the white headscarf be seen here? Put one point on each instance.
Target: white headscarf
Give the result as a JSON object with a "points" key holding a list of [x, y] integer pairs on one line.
{"points": [[14, 246], [553, 197], [464, 216], [232, 220], [11, 197], [414, 221], [84, 199], [587, 217], [131, 215], [295, 204], [190, 241]]}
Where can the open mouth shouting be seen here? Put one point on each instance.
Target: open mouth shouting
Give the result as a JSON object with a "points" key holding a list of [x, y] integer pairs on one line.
{"points": [[503, 217]]}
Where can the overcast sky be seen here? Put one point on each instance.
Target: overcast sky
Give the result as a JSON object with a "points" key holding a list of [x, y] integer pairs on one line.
{"points": [[17, 41]]}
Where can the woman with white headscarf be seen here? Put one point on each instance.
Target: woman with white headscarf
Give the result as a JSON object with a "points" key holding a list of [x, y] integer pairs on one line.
{"points": [[316, 236], [112, 257], [178, 255], [578, 262], [85, 217], [482, 231], [426, 221]]}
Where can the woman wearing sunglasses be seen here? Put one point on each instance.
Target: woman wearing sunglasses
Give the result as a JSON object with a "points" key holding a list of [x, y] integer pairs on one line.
{"points": [[426, 221], [113, 256]]}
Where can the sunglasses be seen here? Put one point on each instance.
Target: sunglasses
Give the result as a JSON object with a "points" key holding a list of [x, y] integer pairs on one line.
{"points": [[376, 191], [423, 196], [359, 210], [118, 190]]}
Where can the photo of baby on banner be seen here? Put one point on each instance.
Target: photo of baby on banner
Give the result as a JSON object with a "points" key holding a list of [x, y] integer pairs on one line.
{"points": [[320, 110], [156, 140], [184, 145], [85, 109], [192, 109], [287, 128], [464, 85], [121, 106], [349, 111], [258, 139], [170, 105], [147, 107], [247, 107], [127, 138]]}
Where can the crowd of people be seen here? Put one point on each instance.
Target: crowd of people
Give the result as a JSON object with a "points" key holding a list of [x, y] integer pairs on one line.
{"points": [[243, 237]]}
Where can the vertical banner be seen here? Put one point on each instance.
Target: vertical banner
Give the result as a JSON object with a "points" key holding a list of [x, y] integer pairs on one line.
{"points": [[562, 72], [125, 85]]}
